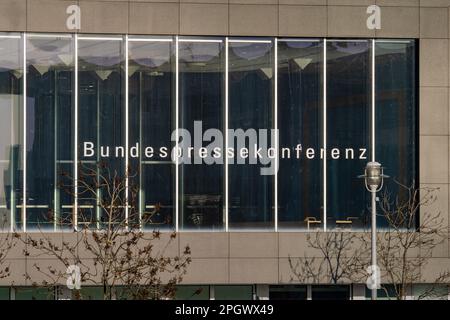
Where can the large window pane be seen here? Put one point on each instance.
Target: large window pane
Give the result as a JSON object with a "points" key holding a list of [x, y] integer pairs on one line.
{"points": [[330, 292], [396, 116], [192, 292], [11, 117], [201, 95], [237, 292], [348, 131], [250, 107], [34, 293], [151, 114], [300, 124], [288, 292], [49, 148], [101, 115]]}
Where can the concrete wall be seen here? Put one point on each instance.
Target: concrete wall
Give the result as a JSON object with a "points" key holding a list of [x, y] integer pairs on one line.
{"points": [[263, 257]]}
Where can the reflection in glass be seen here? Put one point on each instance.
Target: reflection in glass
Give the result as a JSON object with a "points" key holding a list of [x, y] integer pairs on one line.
{"points": [[101, 114], [300, 123], [250, 107], [201, 68], [11, 76], [101, 121], [396, 115], [348, 127], [49, 148], [151, 116]]}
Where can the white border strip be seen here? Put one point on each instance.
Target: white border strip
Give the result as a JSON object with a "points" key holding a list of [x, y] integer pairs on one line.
{"points": [[325, 134], [49, 35], [248, 41], [392, 41], [200, 40], [297, 40], [24, 194], [276, 133], [10, 37], [100, 38], [348, 40], [373, 99], [126, 133], [149, 40], [177, 173], [75, 146], [226, 134]]}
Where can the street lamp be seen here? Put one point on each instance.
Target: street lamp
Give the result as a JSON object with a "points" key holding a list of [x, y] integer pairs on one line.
{"points": [[374, 177]]}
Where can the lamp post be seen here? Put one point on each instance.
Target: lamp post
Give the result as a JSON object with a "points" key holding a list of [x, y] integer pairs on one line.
{"points": [[373, 177]]}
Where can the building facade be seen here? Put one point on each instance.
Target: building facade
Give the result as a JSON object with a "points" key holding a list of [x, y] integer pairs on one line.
{"points": [[310, 77]]}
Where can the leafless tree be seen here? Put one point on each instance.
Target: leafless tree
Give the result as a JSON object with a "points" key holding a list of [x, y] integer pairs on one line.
{"points": [[413, 232], [111, 248], [404, 247], [6, 244], [338, 260]]}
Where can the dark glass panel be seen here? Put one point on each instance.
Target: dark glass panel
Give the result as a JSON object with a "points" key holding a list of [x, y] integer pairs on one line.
{"points": [[11, 143], [192, 292], [300, 123], [330, 292], [250, 107], [101, 117], [396, 129], [348, 130], [201, 68], [151, 116], [4, 293], [233, 292], [34, 293], [50, 69], [287, 292]]}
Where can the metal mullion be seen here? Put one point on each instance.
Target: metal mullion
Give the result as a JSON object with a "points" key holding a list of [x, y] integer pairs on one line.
{"points": [[373, 99], [126, 133], [177, 186], [141, 193], [324, 132], [276, 132], [226, 136], [55, 150], [75, 155], [24, 192]]}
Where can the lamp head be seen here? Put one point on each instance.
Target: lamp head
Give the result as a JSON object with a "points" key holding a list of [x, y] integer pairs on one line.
{"points": [[374, 175]]}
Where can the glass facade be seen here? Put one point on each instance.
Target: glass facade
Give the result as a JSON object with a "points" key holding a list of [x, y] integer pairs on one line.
{"points": [[323, 107], [11, 138], [151, 86], [49, 129], [201, 92], [250, 93], [101, 113], [300, 116], [348, 130], [396, 114]]}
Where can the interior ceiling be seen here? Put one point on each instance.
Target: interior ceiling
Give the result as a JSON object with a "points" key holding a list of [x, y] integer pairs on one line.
{"points": [[106, 56]]}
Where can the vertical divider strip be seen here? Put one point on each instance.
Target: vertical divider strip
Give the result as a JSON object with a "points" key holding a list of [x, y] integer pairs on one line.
{"points": [[226, 134], [177, 187], [276, 133], [126, 133], [75, 145], [373, 99], [24, 191], [325, 134]]}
